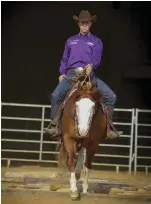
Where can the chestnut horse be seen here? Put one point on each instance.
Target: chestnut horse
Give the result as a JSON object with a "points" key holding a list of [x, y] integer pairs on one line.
{"points": [[83, 126]]}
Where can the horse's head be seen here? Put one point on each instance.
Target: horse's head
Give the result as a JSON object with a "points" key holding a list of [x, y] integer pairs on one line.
{"points": [[87, 103]]}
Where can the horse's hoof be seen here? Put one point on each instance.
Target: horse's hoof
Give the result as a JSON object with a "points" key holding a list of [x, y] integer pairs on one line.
{"points": [[74, 195], [78, 175], [85, 192]]}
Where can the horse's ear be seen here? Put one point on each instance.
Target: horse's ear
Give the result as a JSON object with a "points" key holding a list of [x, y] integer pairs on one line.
{"points": [[79, 86], [97, 94], [90, 85]]}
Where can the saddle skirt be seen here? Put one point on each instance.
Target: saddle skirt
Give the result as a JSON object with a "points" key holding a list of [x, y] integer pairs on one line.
{"points": [[69, 94]]}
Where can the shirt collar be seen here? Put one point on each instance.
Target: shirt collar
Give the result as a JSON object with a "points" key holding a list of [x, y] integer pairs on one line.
{"points": [[84, 35]]}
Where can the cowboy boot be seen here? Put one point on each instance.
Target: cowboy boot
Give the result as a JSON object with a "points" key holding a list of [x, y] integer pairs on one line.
{"points": [[113, 134], [51, 130]]}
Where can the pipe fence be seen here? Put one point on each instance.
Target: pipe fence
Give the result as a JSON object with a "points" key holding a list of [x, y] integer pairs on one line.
{"points": [[23, 138]]}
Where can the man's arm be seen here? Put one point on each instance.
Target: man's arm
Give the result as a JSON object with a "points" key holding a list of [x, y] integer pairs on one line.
{"points": [[64, 60], [97, 54]]}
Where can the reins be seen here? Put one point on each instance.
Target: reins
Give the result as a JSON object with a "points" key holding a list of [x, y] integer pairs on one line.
{"points": [[75, 79]]}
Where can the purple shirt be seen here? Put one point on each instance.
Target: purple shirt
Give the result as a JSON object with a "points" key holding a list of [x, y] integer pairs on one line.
{"points": [[81, 50]]}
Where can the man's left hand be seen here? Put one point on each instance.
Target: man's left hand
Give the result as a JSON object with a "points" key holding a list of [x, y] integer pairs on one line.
{"points": [[88, 69]]}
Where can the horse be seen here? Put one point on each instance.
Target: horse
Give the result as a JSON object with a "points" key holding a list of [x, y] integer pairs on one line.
{"points": [[84, 124]]}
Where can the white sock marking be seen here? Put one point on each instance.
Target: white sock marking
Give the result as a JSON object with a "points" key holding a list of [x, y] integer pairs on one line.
{"points": [[85, 181], [73, 182]]}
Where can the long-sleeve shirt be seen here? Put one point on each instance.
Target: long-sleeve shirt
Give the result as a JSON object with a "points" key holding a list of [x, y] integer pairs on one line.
{"points": [[81, 50]]}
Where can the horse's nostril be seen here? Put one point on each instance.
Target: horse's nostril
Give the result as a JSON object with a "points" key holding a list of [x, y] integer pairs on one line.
{"points": [[83, 132]]}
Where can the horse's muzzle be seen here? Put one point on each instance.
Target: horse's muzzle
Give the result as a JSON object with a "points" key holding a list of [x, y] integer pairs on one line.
{"points": [[83, 132]]}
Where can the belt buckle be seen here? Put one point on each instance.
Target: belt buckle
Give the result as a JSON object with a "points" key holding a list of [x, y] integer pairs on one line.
{"points": [[79, 69]]}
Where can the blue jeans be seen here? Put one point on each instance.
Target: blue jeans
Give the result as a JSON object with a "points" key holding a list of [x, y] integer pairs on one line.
{"points": [[63, 87]]}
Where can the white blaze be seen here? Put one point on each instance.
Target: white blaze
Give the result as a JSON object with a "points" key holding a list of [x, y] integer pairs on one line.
{"points": [[84, 109]]}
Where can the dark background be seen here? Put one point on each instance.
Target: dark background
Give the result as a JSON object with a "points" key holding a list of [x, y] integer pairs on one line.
{"points": [[33, 35]]}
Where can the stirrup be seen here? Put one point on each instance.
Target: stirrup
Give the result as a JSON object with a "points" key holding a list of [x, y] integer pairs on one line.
{"points": [[52, 135], [114, 134], [51, 123]]}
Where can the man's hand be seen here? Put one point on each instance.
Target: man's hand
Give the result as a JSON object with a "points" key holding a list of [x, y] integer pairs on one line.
{"points": [[61, 77], [88, 69]]}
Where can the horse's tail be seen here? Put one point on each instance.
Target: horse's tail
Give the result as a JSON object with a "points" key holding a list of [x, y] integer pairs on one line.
{"points": [[62, 157]]}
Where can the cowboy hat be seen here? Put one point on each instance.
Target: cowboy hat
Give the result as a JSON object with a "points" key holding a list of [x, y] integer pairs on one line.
{"points": [[85, 16]]}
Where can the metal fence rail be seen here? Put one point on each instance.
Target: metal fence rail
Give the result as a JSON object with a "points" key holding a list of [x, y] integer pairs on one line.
{"points": [[142, 142], [32, 145]]}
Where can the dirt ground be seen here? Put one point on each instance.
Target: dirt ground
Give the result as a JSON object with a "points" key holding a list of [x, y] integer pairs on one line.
{"points": [[37, 171], [45, 197], [48, 171], [52, 198]]}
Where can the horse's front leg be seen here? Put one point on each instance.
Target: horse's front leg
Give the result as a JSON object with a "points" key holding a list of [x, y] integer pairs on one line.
{"points": [[85, 181], [90, 151], [71, 149], [80, 163], [74, 193]]}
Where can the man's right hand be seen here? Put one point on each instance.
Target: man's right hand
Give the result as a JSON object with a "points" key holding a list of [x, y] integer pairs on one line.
{"points": [[88, 68], [61, 77]]}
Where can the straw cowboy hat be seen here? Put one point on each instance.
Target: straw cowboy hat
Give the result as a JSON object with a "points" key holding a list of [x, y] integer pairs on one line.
{"points": [[85, 16]]}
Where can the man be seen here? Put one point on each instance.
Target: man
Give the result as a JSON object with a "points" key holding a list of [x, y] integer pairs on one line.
{"points": [[83, 50]]}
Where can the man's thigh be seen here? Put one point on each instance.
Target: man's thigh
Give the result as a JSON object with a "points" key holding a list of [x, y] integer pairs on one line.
{"points": [[104, 88], [62, 88]]}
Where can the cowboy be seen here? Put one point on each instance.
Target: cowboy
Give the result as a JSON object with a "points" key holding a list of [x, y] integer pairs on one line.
{"points": [[83, 50]]}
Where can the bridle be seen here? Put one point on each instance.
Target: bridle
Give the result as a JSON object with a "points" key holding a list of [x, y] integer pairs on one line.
{"points": [[73, 115]]}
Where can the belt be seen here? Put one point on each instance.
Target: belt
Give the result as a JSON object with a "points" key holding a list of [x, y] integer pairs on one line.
{"points": [[76, 69]]}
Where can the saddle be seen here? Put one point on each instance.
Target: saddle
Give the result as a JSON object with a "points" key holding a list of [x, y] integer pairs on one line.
{"points": [[83, 79]]}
